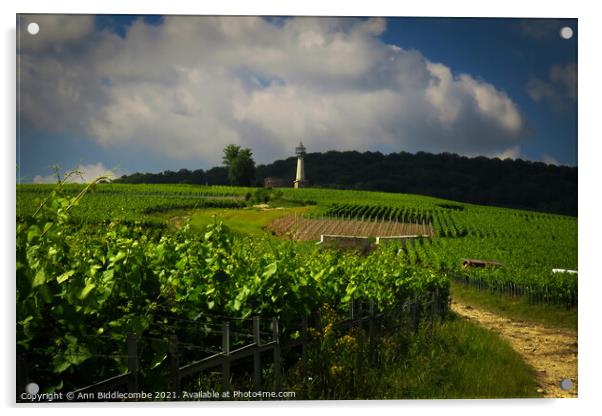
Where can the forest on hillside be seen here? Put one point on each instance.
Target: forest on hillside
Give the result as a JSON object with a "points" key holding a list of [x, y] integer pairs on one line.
{"points": [[508, 183]]}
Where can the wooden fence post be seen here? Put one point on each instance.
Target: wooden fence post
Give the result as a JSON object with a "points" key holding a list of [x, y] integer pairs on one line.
{"points": [[415, 317], [226, 353], [132, 363], [433, 306], [22, 373], [256, 354], [319, 320], [371, 333], [304, 350], [351, 311], [175, 363], [277, 363]]}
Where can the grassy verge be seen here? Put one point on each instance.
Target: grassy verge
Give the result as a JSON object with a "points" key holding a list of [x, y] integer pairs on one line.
{"points": [[454, 360], [247, 221], [516, 308], [459, 360]]}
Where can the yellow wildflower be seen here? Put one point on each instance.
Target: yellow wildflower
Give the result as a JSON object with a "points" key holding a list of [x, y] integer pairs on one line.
{"points": [[335, 370]]}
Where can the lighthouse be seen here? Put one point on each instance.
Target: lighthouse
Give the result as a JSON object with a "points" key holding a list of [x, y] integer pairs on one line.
{"points": [[300, 181]]}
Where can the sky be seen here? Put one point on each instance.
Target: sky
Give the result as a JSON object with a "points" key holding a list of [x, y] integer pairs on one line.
{"points": [[121, 94]]}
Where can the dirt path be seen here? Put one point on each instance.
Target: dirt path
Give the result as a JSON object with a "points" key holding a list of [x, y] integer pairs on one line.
{"points": [[551, 352]]}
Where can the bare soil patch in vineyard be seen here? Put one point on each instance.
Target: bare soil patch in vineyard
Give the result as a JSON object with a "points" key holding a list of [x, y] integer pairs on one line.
{"points": [[552, 352], [306, 229]]}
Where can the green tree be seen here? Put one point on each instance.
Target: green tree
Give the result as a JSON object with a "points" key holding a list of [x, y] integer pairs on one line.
{"points": [[230, 154], [240, 164]]}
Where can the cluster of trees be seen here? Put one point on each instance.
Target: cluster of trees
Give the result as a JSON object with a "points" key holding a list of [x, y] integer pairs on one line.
{"points": [[480, 180], [214, 176], [238, 169], [510, 183]]}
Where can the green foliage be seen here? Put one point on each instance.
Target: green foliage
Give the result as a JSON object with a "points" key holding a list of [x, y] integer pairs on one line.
{"points": [[529, 245], [454, 359], [510, 183], [478, 180], [240, 164], [80, 290], [248, 222], [182, 176], [459, 360], [381, 212], [274, 196], [264, 195], [90, 270], [130, 202], [519, 308]]}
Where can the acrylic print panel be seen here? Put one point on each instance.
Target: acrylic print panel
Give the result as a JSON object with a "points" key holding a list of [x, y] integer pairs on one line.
{"points": [[216, 208]]}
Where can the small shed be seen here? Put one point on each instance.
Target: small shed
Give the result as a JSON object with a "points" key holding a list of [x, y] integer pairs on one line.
{"points": [[277, 183]]}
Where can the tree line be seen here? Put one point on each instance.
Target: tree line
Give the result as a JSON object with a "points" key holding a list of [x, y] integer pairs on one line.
{"points": [[509, 183]]}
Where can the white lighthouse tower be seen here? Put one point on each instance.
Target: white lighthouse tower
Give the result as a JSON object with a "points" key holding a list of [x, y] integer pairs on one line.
{"points": [[300, 181]]}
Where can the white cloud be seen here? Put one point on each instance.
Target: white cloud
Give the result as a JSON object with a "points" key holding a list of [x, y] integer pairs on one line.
{"points": [[87, 173], [567, 77], [188, 87], [559, 90], [511, 153], [550, 160], [45, 179]]}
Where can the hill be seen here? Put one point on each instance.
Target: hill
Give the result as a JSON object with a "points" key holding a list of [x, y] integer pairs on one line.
{"points": [[480, 180]]}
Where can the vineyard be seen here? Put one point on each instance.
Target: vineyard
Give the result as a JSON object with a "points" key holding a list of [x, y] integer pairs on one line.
{"points": [[528, 246], [130, 202], [310, 229], [94, 264], [80, 291]]}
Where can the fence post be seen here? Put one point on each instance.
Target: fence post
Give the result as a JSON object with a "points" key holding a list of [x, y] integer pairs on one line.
{"points": [[433, 306], [371, 333], [256, 354], [304, 350], [132, 363], [22, 373], [351, 311], [319, 320], [277, 382], [226, 353], [415, 318], [174, 363]]}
